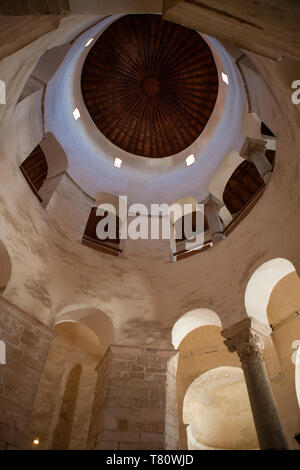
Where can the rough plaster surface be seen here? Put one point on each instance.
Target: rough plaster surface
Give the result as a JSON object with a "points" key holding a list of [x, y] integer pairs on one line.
{"points": [[143, 293]]}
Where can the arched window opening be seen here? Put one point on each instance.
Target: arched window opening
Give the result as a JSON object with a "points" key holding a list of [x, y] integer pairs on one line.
{"points": [[181, 244], [112, 244], [244, 186], [35, 170], [63, 430], [182, 226]]}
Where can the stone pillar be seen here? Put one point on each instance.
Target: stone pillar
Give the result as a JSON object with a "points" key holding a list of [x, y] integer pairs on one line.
{"points": [[212, 208], [254, 151], [246, 337], [129, 410]]}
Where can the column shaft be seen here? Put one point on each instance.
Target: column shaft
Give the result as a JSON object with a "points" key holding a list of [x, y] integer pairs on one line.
{"points": [[246, 337], [265, 413]]}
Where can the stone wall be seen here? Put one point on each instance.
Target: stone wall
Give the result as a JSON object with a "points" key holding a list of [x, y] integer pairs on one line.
{"points": [[134, 411], [27, 343]]}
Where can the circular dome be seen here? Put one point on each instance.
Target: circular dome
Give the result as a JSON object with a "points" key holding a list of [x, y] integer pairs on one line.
{"points": [[149, 85]]}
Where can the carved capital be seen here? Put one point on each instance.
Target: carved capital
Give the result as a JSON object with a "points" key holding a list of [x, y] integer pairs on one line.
{"points": [[247, 338]]}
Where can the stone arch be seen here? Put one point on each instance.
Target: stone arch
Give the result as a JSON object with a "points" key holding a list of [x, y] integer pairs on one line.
{"points": [[217, 411], [283, 315], [273, 296], [197, 336], [261, 284], [69, 380], [6, 268], [192, 320], [94, 318]]}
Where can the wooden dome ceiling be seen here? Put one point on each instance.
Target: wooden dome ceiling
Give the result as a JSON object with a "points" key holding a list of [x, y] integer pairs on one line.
{"points": [[149, 85]]}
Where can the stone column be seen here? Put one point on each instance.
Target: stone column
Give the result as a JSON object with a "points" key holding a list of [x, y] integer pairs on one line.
{"points": [[254, 150], [246, 337], [212, 208]]}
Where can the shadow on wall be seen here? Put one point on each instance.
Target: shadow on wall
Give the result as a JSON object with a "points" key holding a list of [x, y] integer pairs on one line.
{"points": [[6, 268]]}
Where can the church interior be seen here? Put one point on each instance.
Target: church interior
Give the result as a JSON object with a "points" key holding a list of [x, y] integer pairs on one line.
{"points": [[177, 344]]}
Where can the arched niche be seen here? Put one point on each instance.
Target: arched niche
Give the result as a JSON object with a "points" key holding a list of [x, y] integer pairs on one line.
{"points": [[6, 268], [217, 411]]}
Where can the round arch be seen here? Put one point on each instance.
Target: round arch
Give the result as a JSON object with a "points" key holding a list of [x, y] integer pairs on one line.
{"points": [[93, 318], [261, 285], [192, 320]]}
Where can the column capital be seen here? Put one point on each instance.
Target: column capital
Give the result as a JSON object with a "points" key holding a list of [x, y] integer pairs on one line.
{"points": [[247, 338], [253, 147]]}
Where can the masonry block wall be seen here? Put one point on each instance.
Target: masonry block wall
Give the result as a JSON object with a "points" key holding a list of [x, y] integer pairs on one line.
{"points": [[27, 344], [134, 412]]}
